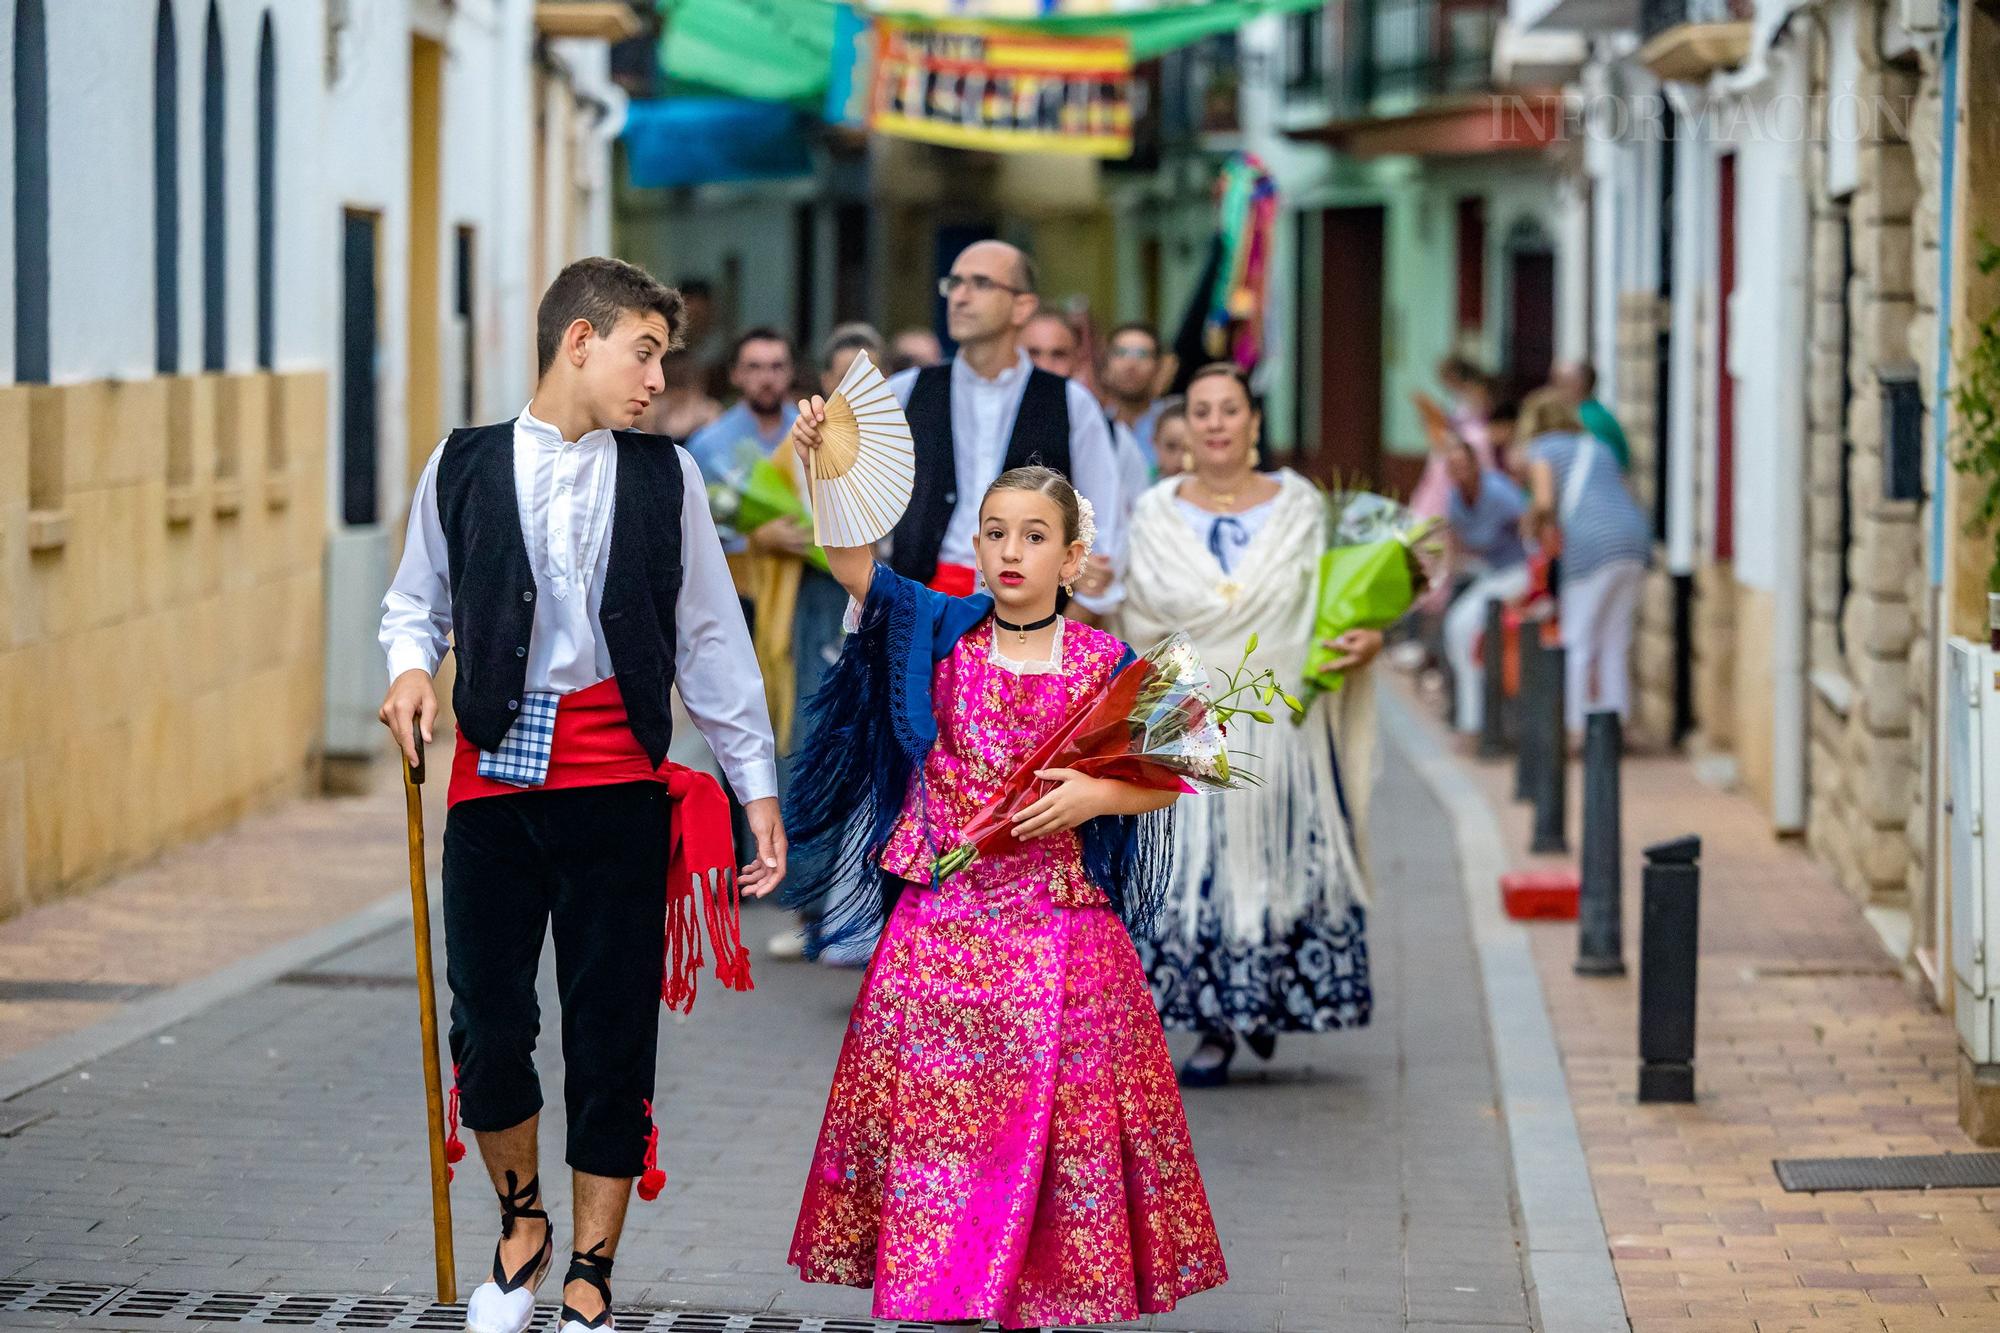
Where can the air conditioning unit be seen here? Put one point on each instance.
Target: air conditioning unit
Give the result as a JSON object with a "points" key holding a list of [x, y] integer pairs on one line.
{"points": [[1972, 849]]}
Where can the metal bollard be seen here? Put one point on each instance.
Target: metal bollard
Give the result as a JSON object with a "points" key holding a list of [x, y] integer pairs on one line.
{"points": [[1669, 948], [1600, 940], [1551, 834], [1493, 682], [1529, 732]]}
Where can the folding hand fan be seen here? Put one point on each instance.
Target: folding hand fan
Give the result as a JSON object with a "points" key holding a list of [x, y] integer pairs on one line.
{"points": [[865, 465]]}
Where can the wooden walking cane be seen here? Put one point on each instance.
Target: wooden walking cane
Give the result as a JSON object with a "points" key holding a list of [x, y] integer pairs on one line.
{"points": [[420, 918]]}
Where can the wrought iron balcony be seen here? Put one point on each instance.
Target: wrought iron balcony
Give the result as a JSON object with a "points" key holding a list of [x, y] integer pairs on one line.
{"points": [[1362, 58]]}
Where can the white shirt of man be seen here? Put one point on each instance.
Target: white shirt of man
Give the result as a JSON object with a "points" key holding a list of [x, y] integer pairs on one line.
{"points": [[1135, 468], [982, 423], [565, 491]]}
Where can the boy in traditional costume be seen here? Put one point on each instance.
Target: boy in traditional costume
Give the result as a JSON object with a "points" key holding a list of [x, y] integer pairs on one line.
{"points": [[576, 565]]}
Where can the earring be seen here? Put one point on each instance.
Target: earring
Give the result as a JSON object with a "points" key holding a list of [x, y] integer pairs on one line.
{"points": [[1256, 456]]}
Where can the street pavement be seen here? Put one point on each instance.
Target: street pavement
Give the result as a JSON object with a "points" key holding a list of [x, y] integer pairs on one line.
{"points": [[274, 1143]]}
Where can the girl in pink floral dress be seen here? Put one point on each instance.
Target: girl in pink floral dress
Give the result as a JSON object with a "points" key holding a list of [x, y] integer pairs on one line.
{"points": [[1004, 1139]]}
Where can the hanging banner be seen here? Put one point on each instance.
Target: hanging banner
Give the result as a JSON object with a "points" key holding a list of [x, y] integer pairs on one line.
{"points": [[851, 75], [1002, 89], [1012, 9]]}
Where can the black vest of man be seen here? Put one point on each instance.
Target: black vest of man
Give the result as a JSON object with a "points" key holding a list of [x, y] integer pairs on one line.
{"points": [[1040, 436], [493, 585]]}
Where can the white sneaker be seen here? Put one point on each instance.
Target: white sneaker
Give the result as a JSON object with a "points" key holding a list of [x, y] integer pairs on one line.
{"points": [[786, 946]]}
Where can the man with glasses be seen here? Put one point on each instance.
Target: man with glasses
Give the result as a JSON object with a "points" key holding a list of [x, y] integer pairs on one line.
{"points": [[986, 410]]}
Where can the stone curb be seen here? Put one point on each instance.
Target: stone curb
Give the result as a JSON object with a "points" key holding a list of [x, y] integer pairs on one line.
{"points": [[1571, 1282]]}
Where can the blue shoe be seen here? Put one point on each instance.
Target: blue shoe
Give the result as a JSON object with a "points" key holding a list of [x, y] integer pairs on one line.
{"points": [[1208, 1067]]}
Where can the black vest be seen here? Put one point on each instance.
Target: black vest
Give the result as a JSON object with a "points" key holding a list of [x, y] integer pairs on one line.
{"points": [[1041, 435], [493, 586]]}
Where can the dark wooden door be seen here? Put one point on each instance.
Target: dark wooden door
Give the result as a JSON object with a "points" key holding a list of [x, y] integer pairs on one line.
{"points": [[1350, 341], [1531, 318]]}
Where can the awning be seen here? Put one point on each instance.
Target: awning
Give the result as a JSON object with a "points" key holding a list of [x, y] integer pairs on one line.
{"points": [[702, 140], [772, 50], [781, 49]]}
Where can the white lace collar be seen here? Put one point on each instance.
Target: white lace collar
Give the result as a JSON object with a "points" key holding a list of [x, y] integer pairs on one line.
{"points": [[1038, 667]]}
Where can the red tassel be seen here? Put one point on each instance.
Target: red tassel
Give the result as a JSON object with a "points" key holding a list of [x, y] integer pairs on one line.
{"points": [[724, 908], [454, 1147], [652, 1180], [684, 958]]}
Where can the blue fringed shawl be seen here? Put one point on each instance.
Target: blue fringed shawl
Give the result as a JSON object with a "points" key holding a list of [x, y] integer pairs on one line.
{"points": [[866, 732]]}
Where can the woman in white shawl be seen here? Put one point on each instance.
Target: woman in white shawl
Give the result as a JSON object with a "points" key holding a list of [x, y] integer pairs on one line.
{"points": [[1263, 932]]}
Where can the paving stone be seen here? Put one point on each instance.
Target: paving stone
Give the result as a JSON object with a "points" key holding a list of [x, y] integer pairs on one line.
{"points": [[276, 1142]]}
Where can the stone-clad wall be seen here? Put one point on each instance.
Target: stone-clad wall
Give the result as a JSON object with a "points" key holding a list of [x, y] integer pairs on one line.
{"points": [[1641, 317], [1863, 760], [1926, 129], [161, 614]]}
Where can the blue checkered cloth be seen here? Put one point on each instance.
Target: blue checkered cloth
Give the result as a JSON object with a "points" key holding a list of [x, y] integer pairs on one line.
{"points": [[523, 757]]}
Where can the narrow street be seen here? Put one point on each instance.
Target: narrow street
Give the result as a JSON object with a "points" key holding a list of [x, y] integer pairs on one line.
{"points": [[273, 1144]]}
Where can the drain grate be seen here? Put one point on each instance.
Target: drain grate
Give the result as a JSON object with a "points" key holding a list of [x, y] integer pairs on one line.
{"points": [[53, 1297], [130, 1306], [1946, 1171]]}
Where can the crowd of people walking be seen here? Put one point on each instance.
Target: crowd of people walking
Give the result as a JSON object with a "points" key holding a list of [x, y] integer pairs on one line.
{"points": [[1004, 1138]]}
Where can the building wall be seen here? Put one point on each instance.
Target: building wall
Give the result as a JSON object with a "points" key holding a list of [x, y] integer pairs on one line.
{"points": [[1420, 282], [1766, 358], [165, 580], [1863, 612], [1641, 317], [513, 149], [718, 231], [160, 649], [1924, 799]]}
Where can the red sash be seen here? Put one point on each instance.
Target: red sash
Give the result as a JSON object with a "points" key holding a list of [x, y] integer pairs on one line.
{"points": [[594, 747], [954, 580]]}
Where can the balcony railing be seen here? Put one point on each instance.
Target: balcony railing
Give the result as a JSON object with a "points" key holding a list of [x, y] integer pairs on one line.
{"points": [[1385, 57]]}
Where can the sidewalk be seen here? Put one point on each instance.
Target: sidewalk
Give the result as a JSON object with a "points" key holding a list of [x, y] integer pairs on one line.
{"points": [[272, 1142], [276, 875], [1809, 1044]]}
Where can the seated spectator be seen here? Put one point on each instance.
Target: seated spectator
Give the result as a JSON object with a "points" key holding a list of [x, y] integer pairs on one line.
{"points": [[1484, 513]]}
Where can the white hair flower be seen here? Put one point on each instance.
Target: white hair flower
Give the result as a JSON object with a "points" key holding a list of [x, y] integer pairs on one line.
{"points": [[1086, 523]]}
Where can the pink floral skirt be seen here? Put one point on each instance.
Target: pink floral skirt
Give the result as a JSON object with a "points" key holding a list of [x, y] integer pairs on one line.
{"points": [[1004, 1139]]}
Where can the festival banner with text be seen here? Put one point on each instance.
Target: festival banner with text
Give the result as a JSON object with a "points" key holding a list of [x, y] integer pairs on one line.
{"points": [[1002, 89]]}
